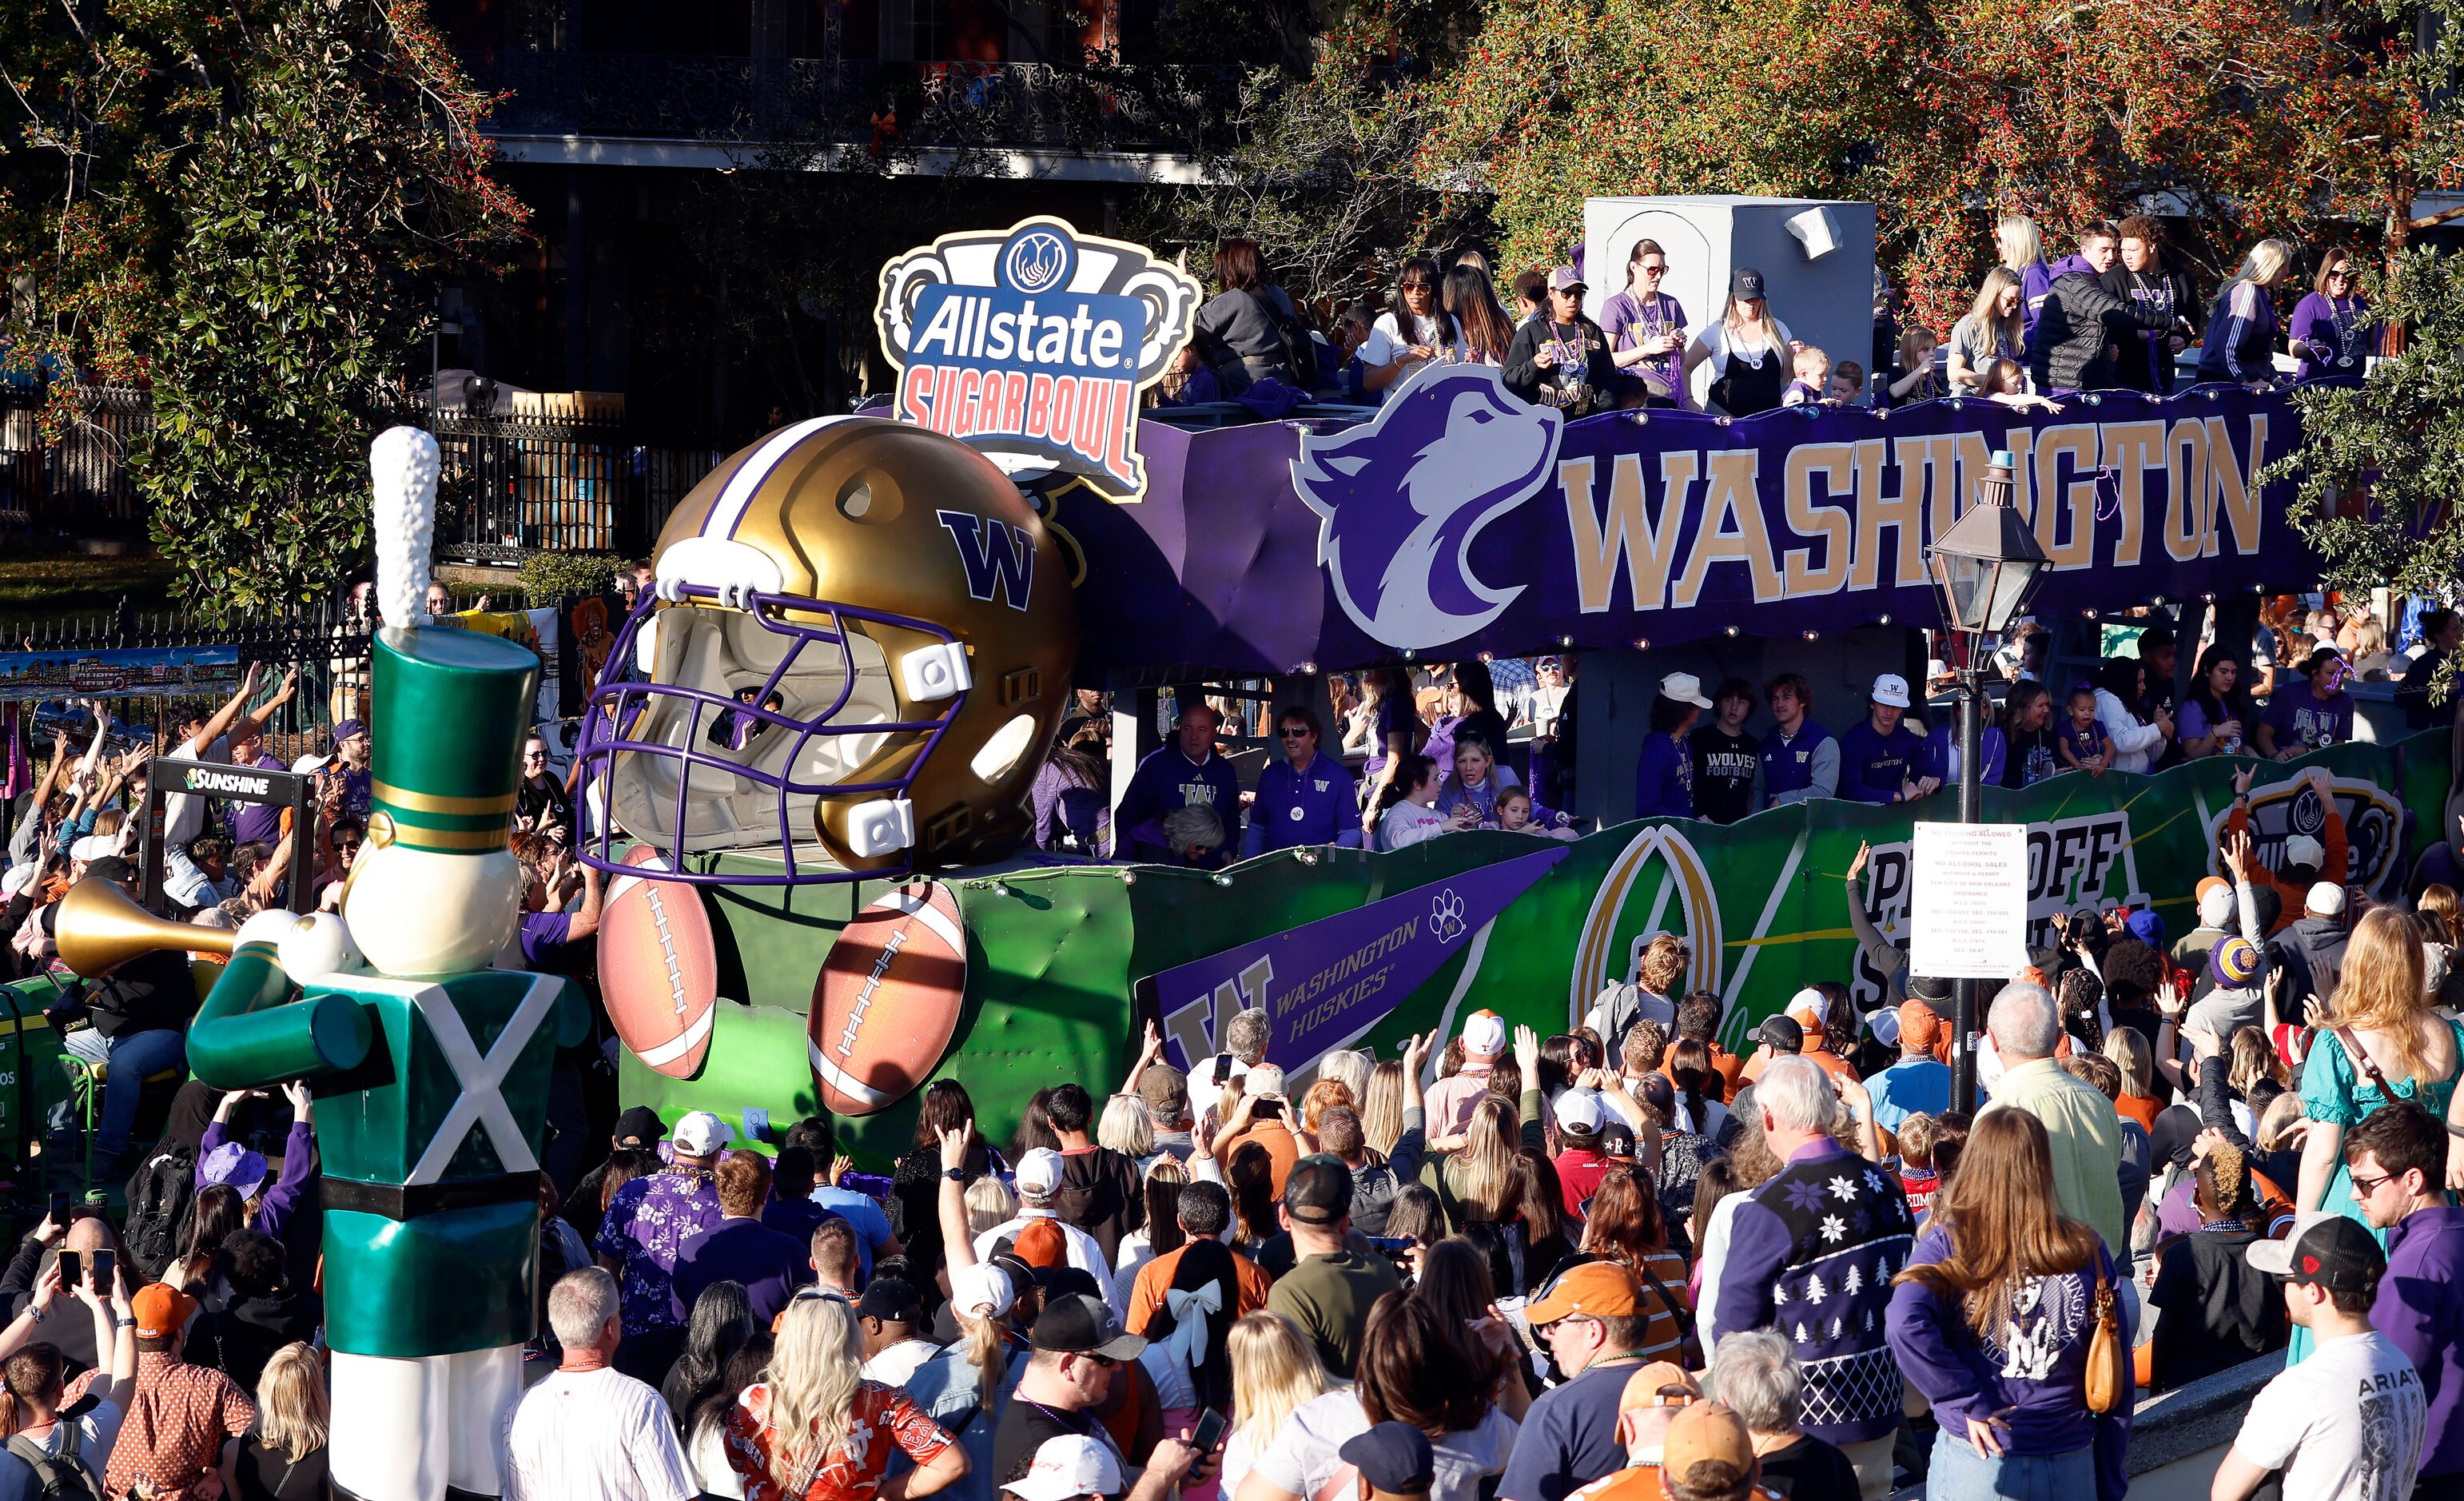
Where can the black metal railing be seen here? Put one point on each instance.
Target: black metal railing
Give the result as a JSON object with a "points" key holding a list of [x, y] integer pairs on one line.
{"points": [[925, 106], [509, 486]]}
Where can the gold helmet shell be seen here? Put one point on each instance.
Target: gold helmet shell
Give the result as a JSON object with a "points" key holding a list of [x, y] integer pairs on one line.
{"points": [[894, 621]]}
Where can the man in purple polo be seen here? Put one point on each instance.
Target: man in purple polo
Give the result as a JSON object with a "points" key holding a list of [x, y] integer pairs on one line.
{"points": [[2398, 1160], [1304, 798]]}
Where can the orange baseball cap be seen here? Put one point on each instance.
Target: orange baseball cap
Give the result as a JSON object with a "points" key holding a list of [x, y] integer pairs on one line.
{"points": [[1645, 1387], [1040, 1244], [1919, 1026], [1706, 1433], [1600, 1289], [161, 1309]]}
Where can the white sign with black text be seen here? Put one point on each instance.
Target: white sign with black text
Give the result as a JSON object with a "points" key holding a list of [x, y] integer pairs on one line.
{"points": [[1970, 920]]}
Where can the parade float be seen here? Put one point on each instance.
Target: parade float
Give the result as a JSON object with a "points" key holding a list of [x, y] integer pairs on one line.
{"points": [[810, 758]]}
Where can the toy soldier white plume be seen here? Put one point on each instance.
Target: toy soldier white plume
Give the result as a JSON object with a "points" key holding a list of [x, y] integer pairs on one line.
{"points": [[402, 477]]}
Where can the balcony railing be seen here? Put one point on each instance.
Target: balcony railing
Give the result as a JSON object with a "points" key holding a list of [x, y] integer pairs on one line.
{"points": [[925, 106]]}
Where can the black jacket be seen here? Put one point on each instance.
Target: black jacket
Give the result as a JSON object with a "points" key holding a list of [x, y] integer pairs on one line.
{"points": [[2313, 949], [241, 1338], [2141, 368], [1554, 386], [152, 993], [2080, 318]]}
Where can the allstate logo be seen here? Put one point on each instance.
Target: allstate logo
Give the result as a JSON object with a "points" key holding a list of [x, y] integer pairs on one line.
{"points": [[1038, 260], [1446, 916]]}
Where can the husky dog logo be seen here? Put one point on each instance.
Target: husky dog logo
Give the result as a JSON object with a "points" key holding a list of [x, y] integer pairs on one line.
{"points": [[1402, 497]]}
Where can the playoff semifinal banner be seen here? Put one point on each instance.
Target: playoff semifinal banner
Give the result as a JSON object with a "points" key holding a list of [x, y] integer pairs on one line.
{"points": [[1463, 520]]}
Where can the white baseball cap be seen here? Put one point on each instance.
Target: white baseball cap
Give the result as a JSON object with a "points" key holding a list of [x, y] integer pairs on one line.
{"points": [[1264, 1079], [2326, 900], [309, 762], [1038, 1173], [1810, 1006], [982, 1290], [1580, 1110], [1484, 1036], [1891, 689], [1068, 1465], [17, 879], [1885, 1025], [93, 848], [700, 1133], [2303, 850], [1685, 688], [2216, 909]]}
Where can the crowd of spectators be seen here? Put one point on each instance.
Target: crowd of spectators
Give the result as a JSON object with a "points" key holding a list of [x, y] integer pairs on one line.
{"points": [[2119, 312]]}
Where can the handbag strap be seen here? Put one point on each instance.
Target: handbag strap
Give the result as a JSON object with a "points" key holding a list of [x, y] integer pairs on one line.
{"points": [[2352, 1047], [1677, 1311]]}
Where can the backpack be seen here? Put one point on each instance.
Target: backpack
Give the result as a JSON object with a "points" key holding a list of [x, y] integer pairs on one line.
{"points": [[61, 1476], [159, 1193]]}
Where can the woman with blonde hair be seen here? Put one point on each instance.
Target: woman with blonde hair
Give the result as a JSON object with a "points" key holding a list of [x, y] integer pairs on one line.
{"points": [[1477, 1182], [1351, 1068], [2240, 344], [1995, 328], [1275, 1369], [1128, 1128], [814, 1431], [283, 1455], [2021, 247], [1749, 349], [2129, 1053], [1381, 1112], [2379, 1043]]}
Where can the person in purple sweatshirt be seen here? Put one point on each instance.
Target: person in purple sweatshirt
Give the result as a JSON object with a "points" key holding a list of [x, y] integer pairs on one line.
{"points": [[2398, 1160], [222, 1160], [1183, 774], [2240, 342], [2007, 1382], [1663, 779], [2333, 334], [1811, 1254], [1938, 761], [1878, 759]]}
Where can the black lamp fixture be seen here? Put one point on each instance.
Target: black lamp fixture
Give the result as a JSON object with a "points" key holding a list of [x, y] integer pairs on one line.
{"points": [[1986, 564]]}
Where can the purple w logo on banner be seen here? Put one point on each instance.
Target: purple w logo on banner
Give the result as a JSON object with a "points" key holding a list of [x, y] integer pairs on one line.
{"points": [[1327, 983], [1005, 565]]}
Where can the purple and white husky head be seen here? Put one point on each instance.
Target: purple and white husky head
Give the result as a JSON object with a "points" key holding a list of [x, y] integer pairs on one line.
{"points": [[1401, 499]]}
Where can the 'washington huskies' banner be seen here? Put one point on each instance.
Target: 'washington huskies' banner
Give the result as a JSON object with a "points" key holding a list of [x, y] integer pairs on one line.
{"points": [[1032, 344], [1465, 519]]}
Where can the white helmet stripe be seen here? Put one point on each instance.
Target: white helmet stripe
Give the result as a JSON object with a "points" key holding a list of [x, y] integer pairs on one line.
{"points": [[728, 508]]}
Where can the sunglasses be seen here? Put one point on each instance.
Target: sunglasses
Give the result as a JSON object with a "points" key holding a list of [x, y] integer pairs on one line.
{"points": [[1419, 286], [2364, 1187], [1649, 269], [812, 1294], [1292, 732]]}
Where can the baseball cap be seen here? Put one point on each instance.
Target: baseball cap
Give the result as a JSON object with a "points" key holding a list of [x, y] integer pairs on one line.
{"points": [[1070, 1465], [1684, 688], [1891, 689], [1076, 1324], [1707, 1433], [1264, 1080], [1484, 1036], [1781, 1033], [1810, 1006], [1919, 1025], [1038, 1172], [1745, 283], [699, 1134], [1166, 1091], [1578, 1111], [639, 1127], [2233, 961], [982, 1290], [17, 879], [1565, 278], [349, 730], [1596, 1289], [2304, 850], [1042, 1244], [308, 763], [2326, 898], [891, 1299], [1884, 1025], [93, 848], [235, 1167], [1394, 1457], [109, 868], [2216, 902], [161, 1309], [1645, 1387], [1318, 1191], [2324, 1251], [2147, 927]]}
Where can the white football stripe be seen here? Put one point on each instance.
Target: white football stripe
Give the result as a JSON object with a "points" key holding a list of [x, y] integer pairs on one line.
{"points": [[617, 889], [921, 908], [728, 508], [841, 1080], [670, 1051]]}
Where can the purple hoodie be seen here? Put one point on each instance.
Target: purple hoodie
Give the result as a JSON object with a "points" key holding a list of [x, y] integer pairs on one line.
{"points": [[274, 1210], [2037, 281]]}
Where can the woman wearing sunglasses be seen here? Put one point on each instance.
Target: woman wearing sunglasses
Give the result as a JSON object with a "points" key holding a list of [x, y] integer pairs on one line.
{"points": [[1414, 330], [1646, 329], [2331, 327]]}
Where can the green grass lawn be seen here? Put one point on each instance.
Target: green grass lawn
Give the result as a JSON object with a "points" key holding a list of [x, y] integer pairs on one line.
{"points": [[36, 586]]}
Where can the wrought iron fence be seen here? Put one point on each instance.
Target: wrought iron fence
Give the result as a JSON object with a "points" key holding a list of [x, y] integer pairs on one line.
{"points": [[510, 486], [67, 470]]}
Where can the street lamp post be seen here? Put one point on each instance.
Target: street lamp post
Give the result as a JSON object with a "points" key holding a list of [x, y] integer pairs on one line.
{"points": [[1983, 569]]}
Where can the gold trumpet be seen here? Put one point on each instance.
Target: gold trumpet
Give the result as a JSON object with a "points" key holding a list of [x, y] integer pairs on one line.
{"points": [[100, 928]]}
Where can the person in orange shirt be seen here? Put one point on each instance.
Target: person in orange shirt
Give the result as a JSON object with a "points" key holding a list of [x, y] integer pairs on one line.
{"points": [[1204, 1211], [1698, 1019], [1807, 1011], [2308, 860], [1263, 1117]]}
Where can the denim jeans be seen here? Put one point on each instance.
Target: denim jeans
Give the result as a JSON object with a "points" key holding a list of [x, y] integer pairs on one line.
{"points": [[135, 1056], [1962, 1474]]}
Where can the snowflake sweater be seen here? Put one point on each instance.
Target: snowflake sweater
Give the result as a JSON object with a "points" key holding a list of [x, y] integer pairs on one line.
{"points": [[1812, 1255]]}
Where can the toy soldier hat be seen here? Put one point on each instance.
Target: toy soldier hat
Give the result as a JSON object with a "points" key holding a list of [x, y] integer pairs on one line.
{"points": [[451, 707]]}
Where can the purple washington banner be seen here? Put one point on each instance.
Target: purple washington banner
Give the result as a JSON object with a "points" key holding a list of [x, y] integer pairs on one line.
{"points": [[1326, 983], [1465, 519]]}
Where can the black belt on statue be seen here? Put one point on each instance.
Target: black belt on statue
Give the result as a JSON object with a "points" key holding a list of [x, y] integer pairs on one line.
{"points": [[410, 1201]]}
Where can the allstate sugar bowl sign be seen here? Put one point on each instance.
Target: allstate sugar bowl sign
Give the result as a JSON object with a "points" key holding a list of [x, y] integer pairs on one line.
{"points": [[1032, 343]]}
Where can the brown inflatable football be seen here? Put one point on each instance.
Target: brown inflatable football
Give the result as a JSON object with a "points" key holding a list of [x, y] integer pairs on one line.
{"points": [[658, 967], [888, 999]]}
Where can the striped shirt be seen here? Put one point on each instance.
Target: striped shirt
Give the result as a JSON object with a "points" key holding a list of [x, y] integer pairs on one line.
{"points": [[1665, 1333]]}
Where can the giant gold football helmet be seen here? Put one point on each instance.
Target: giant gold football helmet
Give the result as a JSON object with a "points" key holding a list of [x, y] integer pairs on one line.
{"points": [[858, 648]]}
